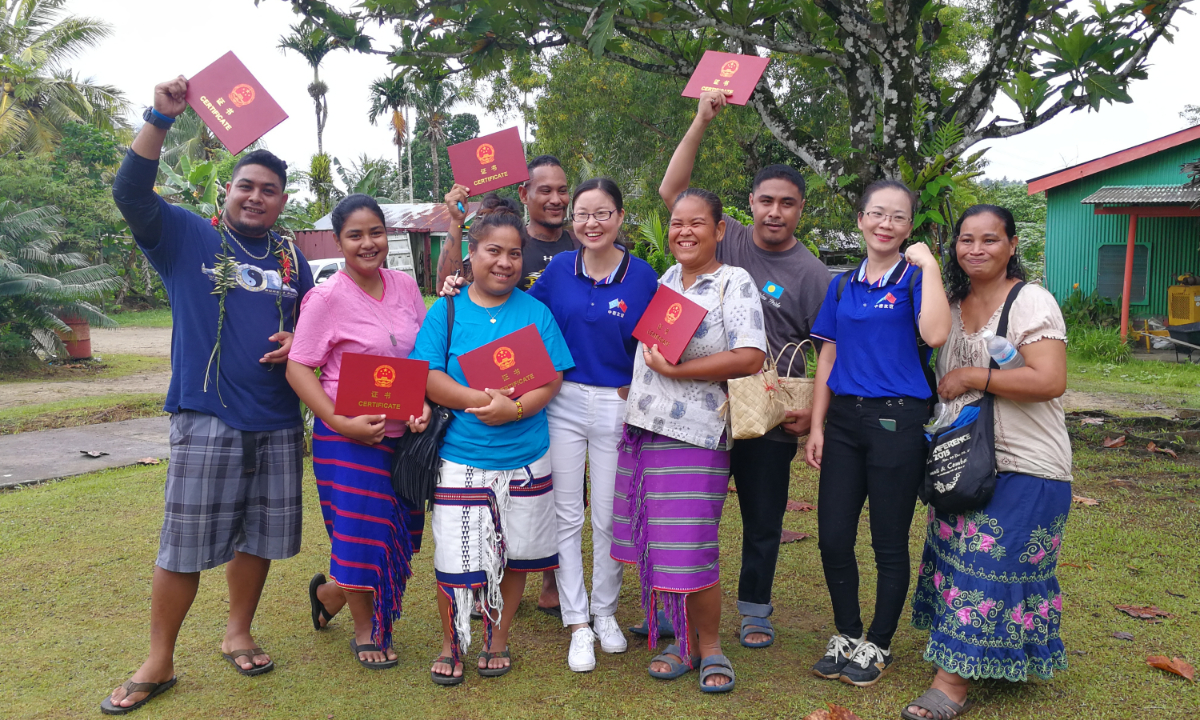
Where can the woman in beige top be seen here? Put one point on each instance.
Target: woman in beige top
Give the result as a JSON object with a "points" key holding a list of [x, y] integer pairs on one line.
{"points": [[986, 587]]}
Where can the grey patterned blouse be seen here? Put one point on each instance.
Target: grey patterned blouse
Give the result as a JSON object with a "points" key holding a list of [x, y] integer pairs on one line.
{"points": [[687, 410]]}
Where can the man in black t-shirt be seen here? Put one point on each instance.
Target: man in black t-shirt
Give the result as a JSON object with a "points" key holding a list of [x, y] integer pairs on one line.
{"points": [[546, 196]]}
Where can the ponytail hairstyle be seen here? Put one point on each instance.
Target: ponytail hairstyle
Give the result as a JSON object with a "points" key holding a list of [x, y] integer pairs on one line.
{"points": [[349, 205], [491, 201], [604, 185], [958, 283], [502, 215], [715, 208]]}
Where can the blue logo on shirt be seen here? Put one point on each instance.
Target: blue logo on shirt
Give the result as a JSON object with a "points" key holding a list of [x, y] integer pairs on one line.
{"points": [[775, 290]]}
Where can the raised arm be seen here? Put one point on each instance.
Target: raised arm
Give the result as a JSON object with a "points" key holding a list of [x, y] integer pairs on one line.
{"points": [[679, 172], [450, 258], [133, 187]]}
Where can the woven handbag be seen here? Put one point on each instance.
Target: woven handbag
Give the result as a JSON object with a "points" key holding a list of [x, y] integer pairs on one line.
{"points": [[796, 393], [755, 402]]}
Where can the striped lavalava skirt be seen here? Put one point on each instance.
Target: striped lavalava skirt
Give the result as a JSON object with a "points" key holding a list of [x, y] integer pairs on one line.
{"points": [[666, 515], [372, 532]]}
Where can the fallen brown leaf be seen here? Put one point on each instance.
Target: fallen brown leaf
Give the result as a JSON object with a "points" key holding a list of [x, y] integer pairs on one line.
{"points": [[1084, 500], [1174, 665], [1092, 421], [1148, 612], [1067, 564], [1123, 635], [817, 715], [1154, 448], [792, 536], [837, 712], [1114, 442], [793, 505], [149, 461]]}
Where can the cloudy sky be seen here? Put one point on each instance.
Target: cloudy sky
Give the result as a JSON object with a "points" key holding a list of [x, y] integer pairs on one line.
{"points": [[154, 40]]}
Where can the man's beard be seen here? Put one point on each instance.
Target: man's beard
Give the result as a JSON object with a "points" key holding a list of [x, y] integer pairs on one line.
{"points": [[243, 229]]}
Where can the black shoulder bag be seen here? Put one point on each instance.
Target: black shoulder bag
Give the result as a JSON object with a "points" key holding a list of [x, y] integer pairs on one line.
{"points": [[416, 460], [960, 470]]}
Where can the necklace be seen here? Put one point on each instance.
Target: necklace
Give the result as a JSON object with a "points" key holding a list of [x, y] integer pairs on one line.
{"points": [[498, 309], [252, 255]]}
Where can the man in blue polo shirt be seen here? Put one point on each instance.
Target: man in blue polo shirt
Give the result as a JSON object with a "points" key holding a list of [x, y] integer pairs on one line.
{"points": [[791, 284]]}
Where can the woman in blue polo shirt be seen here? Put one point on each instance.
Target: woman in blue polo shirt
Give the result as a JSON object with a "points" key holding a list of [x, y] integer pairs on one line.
{"points": [[870, 403], [597, 294]]}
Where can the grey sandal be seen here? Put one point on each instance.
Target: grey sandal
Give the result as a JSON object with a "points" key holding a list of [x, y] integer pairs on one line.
{"points": [[678, 667], [760, 625], [370, 647], [716, 665], [940, 706], [153, 690], [495, 672]]}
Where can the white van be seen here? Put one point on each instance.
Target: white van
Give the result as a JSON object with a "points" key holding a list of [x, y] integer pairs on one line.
{"points": [[399, 258]]}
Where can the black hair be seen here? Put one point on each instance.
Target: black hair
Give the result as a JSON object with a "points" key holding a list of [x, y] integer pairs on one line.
{"points": [[709, 198], [267, 159], [491, 201], [887, 184], [779, 172], [604, 185], [542, 160], [503, 215], [958, 283], [349, 205]]}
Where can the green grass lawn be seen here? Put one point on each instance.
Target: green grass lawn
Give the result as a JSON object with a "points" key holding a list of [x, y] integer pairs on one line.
{"points": [[80, 411], [110, 368], [1166, 382], [144, 318], [76, 558]]}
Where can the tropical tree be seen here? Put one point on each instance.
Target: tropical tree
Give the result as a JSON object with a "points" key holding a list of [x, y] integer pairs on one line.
{"points": [[1191, 115], [458, 128], [40, 284], [888, 63], [313, 44], [394, 94], [433, 101], [40, 93]]}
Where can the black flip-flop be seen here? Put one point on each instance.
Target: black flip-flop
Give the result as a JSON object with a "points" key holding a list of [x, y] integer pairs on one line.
{"points": [[250, 653], [318, 607], [494, 672], [440, 679], [371, 647], [155, 689], [554, 611]]}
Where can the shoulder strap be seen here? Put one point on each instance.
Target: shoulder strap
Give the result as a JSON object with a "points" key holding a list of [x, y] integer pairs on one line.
{"points": [[449, 327], [1002, 326], [842, 283]]}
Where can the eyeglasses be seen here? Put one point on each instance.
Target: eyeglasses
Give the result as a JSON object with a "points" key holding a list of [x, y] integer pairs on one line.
{"points": [[879, 217], [600, 215]]}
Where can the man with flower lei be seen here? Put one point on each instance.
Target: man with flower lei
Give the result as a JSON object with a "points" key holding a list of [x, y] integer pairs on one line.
{"points": [[233, 491]]}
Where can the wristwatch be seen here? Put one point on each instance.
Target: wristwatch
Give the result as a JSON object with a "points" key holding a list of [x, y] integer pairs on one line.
{"points": [[157, 119]]}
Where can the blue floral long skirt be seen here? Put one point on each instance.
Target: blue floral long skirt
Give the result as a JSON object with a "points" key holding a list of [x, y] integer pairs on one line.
{"points": [[986, 588]]}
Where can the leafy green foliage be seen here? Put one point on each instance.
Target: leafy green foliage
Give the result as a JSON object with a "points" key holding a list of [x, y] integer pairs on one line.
{"points": [[1099, 344], [1090, 311], [651, 245]]}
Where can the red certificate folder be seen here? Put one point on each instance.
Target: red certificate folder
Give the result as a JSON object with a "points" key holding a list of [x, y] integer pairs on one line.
{"points": [[489, 162], [733, 75], [233, 104], [669, 322], [518, 360], [381, 385]]}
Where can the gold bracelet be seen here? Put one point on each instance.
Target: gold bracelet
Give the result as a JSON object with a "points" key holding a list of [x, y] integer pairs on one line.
{"points": [[520, 410]]}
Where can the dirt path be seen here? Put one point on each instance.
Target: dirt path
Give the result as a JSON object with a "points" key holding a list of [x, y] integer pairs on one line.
{"points": [[126, 341]]}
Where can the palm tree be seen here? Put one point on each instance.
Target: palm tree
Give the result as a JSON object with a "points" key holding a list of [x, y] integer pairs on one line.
{"points": [[313, 44], [433, 101], [395, 94], [39, 284], [41, 94]]}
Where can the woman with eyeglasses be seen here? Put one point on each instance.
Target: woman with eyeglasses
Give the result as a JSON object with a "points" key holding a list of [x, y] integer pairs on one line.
{"points": [[597, 294], [870, 403]]}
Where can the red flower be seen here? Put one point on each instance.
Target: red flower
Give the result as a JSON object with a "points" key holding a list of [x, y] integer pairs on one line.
{"points": [[215, 221], [285, 266]]}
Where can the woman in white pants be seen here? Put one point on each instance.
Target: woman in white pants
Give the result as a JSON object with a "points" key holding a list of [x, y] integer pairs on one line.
{"points": [[597, 294]]}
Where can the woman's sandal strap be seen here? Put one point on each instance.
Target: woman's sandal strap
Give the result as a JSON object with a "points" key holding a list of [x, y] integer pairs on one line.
{"points": [[936, 701]]}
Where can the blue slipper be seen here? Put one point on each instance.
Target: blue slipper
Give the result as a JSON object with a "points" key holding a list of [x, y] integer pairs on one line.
{"points": [[665, 628], [751, 625], [716, 665], [678, 668]]}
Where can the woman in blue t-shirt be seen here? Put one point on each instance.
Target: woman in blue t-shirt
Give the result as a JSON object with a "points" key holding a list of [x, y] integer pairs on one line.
{"points": [[597, 294], [870, 402], [493, 513]]}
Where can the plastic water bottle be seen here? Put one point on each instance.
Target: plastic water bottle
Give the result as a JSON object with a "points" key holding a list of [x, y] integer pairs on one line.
{"points": [[1002, 351], [942, 418]]}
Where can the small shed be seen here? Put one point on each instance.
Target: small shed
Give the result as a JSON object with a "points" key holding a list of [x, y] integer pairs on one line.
{"points": [[424, 225], [1124, 224]]}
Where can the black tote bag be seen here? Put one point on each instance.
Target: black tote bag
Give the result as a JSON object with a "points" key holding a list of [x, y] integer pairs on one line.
{"points": [[960, 469]]}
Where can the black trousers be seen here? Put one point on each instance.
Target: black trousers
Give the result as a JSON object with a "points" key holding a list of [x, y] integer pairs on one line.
{"points": [[761, 470], [874, 449]]}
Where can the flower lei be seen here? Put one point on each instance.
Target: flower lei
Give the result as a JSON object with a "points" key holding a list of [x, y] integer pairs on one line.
{"points": [[225, 271]]}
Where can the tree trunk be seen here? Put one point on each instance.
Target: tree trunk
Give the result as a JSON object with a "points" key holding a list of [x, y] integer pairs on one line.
{"points": [[408, 144], [433, 148]]}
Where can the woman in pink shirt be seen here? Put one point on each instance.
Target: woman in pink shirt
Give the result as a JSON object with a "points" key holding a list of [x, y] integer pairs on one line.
{"points": [[369, 309]]}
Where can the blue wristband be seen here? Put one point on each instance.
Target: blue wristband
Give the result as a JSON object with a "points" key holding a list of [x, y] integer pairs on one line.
{"points": [[164, 118]]}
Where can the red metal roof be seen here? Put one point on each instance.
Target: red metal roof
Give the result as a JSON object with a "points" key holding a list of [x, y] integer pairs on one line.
{"points": [[1091, 167], [415, 217]]}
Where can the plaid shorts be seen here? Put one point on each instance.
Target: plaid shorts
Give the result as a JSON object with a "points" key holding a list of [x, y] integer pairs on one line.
{"points": [[230, 490]]}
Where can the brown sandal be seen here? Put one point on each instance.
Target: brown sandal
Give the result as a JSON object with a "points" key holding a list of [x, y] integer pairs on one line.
{"points": [[108, 707], [257, 669]]}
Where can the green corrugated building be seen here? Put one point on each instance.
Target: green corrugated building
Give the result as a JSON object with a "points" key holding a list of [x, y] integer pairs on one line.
{"points": [[1095, 209]]}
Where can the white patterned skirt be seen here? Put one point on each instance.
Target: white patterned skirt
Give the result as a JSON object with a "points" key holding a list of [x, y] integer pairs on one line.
{"points": [[486, 522]]}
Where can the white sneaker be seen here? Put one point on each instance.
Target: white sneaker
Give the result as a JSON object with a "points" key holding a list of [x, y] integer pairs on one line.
{"points": [[582, 655], [612, 640]]}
